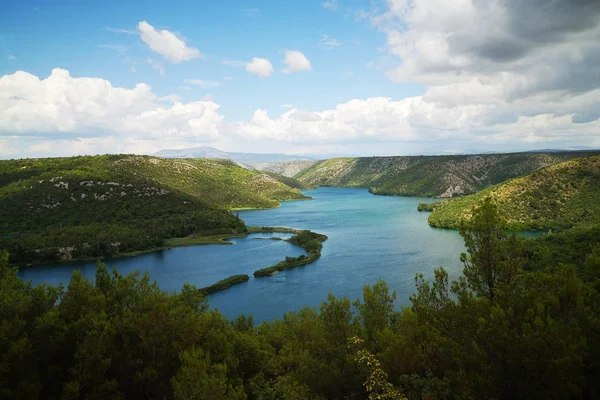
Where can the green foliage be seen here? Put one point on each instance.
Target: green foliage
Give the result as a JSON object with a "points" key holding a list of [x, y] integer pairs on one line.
{"points": [[557, 197], [425, 207], [225, 284], [516, 325], [310, 241], [428, 176], [88, 207]]}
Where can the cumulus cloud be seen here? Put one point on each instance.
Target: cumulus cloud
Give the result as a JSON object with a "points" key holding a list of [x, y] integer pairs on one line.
{"points": [[295, 62], [515, 61], [260, 66], [61, 106], [167, 44], [204, 84], [62, 115], [524, 47]]}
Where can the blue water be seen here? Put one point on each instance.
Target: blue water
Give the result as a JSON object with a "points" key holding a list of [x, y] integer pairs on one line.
{"points": [[370, 238]]}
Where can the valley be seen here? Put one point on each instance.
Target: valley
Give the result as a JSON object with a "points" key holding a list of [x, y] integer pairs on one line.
{"points": [[181, 285], [426, 176]]}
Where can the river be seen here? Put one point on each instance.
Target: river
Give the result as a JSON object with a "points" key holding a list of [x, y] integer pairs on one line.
{"points": [[370, 238]]}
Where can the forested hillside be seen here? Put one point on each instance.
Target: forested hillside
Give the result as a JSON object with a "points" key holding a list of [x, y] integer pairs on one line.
{"points": [[559, 196], [65, 208], [429, 176], [520, 323]]}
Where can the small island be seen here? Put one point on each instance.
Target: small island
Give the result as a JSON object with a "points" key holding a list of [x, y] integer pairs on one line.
{"points": [[308, 240]]}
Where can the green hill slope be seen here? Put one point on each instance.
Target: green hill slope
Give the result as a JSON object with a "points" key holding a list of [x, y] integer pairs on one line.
{"points": [[429, 176], [90, 206], [556, 197]]}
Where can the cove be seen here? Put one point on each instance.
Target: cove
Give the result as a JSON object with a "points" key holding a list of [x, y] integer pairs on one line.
{"points": [[370, 238]]}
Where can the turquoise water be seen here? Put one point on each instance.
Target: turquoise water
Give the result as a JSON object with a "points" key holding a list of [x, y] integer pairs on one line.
{"points": [[370, 238]]}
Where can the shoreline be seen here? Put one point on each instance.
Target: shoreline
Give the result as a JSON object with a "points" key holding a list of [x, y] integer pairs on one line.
{"points": [[222, 239]]}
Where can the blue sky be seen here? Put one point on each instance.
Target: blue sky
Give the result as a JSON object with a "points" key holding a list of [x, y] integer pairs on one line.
{"points": [[76, 36], [372, 77]]}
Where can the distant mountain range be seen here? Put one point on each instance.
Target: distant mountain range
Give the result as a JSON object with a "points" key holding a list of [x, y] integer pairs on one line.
{"points": [[242, 158]]}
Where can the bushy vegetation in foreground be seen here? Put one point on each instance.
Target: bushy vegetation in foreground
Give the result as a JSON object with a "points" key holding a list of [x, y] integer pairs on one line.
{"points": [[557, 197], [516, 325], [87, 207]]}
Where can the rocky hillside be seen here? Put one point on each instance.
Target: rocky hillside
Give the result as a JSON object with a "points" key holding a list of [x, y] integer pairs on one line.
{"points": [[284, 168], [115, 203], [559, 196], [429, 176]]}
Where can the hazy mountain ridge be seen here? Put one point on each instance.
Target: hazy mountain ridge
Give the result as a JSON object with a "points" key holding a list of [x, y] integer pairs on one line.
{"points": [[559, 196], [430, 176], [210, 152]]}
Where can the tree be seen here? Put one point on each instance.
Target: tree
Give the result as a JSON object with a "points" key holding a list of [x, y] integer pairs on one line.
{"points": [[493, 255]]}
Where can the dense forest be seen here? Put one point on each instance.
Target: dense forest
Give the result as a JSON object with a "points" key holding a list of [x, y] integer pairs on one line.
{"points": [[429, 176], [520, 323], [65, 208], [556, 197]]}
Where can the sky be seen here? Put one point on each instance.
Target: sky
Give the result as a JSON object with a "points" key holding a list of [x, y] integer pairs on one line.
{"points": [[323, 77]]}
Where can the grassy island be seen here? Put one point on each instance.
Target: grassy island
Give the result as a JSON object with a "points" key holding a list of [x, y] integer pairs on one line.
{"points": [[224, 284], [310, 241]]}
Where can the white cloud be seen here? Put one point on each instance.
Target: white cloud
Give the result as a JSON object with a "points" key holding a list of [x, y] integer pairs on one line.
{"points": [[204, 84], [227, 78], [349, 74], [61, 107], [171, 98], [167, 44], [295, 62], [132, 69], [11, 57], [252, 11], [260, 66], [62, 115], [327, 42]]}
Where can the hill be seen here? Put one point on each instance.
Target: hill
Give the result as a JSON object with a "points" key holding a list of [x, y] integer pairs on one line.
{"points": [[429, 176], [559, 196], [64, 208], [210, 152]]}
